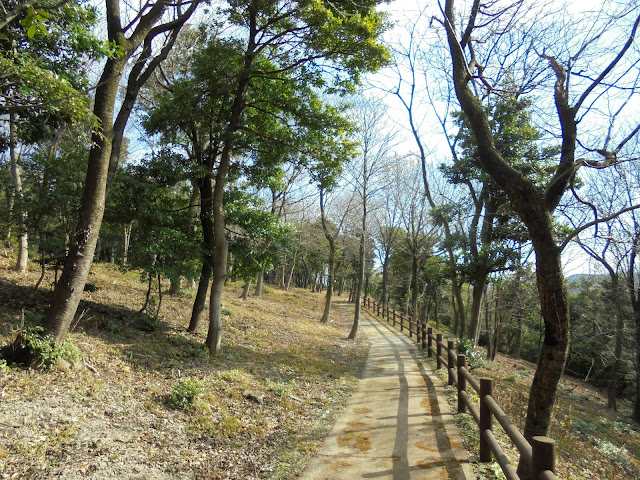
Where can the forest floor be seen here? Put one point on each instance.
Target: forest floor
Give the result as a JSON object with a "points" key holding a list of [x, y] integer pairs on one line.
{"points": [[257, 411], [144, 400]]}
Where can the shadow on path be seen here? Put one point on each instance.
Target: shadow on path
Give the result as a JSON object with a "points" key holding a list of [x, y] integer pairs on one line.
{"points": [[397, 425]]}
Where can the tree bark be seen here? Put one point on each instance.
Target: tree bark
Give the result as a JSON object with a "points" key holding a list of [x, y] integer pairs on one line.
{"points": [[361, 254], [245, 289], [126, 240], [23, 239], [332, 259], [176, 285], [259, 283], [205, 187]]}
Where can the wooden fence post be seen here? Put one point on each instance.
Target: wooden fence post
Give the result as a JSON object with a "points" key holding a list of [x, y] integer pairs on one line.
{"points": [[429, 341], [402, 322], [424, 335], [543, 455], [438, 350], [486, 418], [394, 317], [462, 383], [450, 362], [410, 323]]}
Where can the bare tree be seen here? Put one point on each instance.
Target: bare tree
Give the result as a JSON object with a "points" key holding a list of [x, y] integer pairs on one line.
{"points": [[376, 141], [411, 80], [476, 65]]}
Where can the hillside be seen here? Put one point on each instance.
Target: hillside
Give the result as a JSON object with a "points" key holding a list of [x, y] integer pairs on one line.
{"points": [[123, 410], [144, 400]]}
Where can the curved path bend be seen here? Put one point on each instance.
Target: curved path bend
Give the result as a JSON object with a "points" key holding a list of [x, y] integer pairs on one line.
{"points": [[397, 425]]}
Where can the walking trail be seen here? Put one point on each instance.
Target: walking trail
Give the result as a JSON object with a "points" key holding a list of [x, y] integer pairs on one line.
{"points": [[397, 425]]}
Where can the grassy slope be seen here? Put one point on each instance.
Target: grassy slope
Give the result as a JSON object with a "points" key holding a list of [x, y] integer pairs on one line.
{"points": [[108, 416]]}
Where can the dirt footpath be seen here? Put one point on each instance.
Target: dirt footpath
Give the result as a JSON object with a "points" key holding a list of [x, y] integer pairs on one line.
{"points": [[397, 425]]}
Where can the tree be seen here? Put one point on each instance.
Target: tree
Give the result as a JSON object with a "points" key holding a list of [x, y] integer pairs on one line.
{"points": [[491, 244], [318, 43], [419, 238], [258, 239], [145, 32], [406, 70], [42, 56], [612, 241], [534, 204], [376, 141]]}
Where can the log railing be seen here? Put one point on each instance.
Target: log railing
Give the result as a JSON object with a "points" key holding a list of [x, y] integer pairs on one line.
{"points": [[538, 456]]}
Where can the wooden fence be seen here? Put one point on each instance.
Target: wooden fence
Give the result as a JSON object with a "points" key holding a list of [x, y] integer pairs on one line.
{"points": [[539, 455]]}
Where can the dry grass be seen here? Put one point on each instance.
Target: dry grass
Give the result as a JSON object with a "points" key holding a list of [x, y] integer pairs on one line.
{"points": [[110, 415]]}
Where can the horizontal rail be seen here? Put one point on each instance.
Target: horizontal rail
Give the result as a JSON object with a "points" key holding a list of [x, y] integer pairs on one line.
{"points": [[511, 430], [539, 455], [473, 410], [502, 459], [471, 379]]}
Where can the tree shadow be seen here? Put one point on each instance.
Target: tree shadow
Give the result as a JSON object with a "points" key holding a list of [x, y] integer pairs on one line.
{"points": [[159, 347]]}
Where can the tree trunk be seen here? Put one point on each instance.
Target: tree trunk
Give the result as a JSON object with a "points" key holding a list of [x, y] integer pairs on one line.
{"points": [[23, 239], [245, 289], [535, 210], [208, 246], [476, 304], [214, 335], [259, 283], [175, 285], [105, 152], [148, 294], [68, 291], [159, 297], [293, 267], [385, 277], [358, 293], [126, 240], [282, 276]]}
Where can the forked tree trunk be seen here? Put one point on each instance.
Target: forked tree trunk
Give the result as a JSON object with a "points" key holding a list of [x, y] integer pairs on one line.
{"points": [[535, 210], [105, 149]]}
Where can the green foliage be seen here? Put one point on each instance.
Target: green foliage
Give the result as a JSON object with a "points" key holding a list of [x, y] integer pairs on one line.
{"points": [[475, 357], [155, 196], [184, 392], [481, 250], [44, 350], [43, 57], [259, 239]]}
